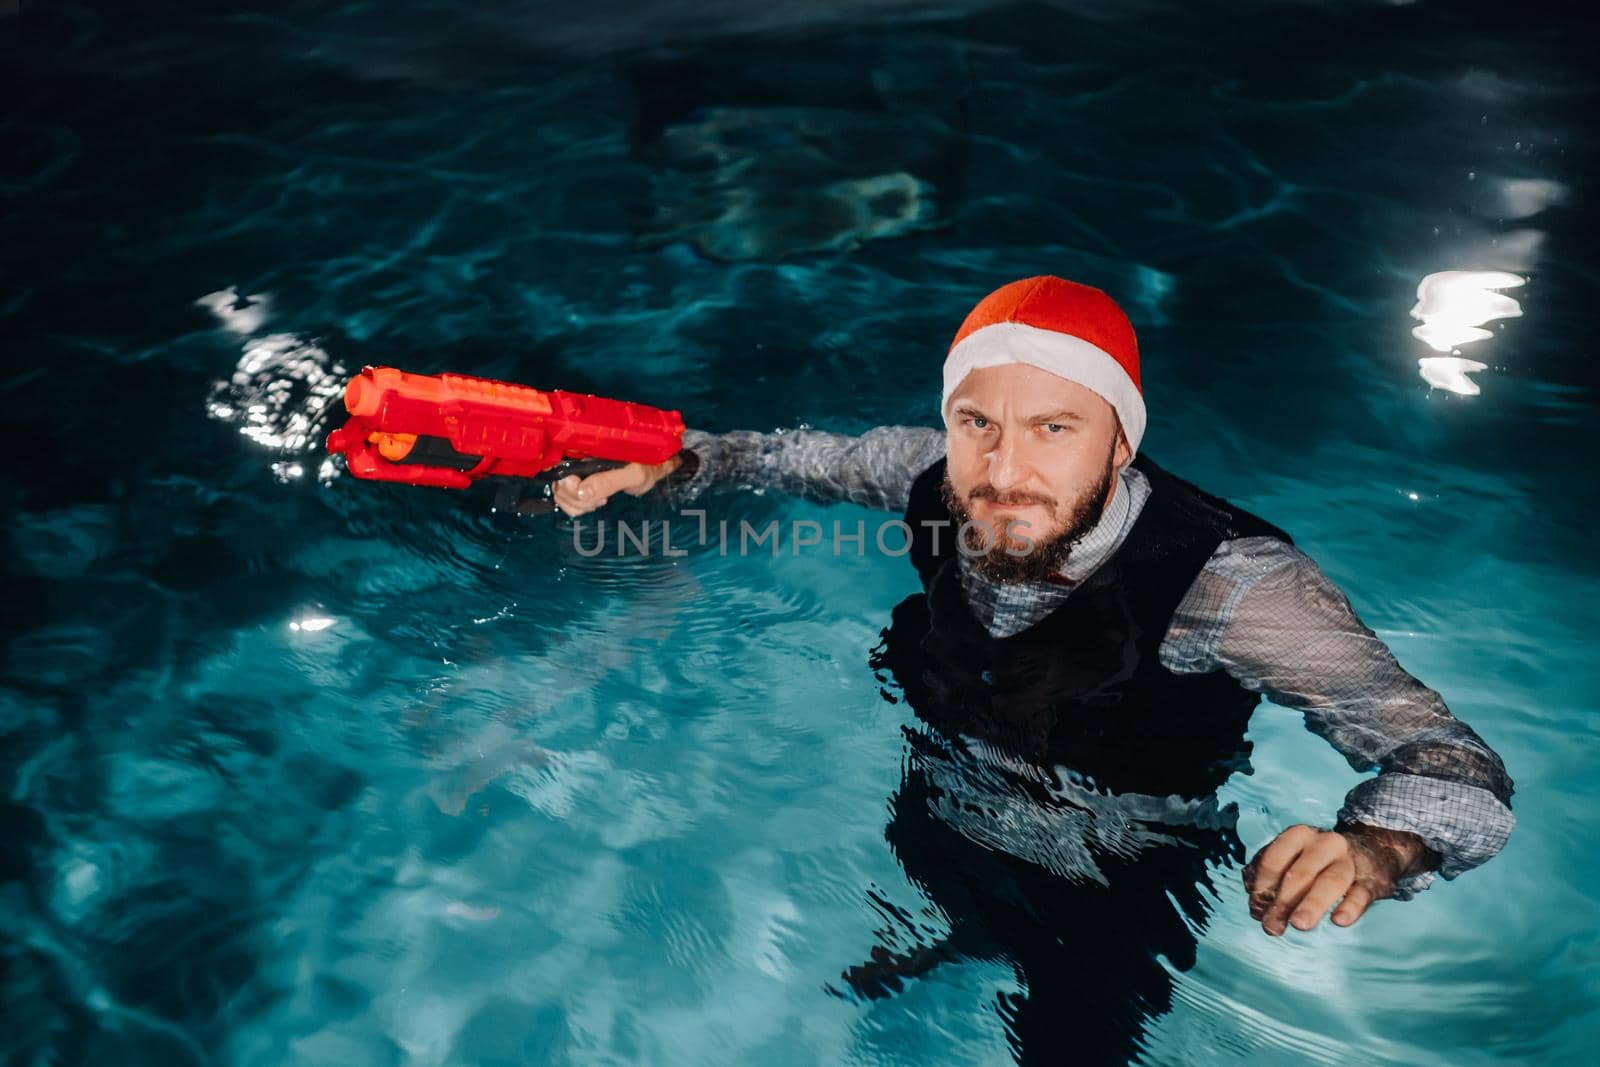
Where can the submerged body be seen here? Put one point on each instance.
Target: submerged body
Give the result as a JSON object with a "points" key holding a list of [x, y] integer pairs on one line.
{"points": [[1061, 808]]}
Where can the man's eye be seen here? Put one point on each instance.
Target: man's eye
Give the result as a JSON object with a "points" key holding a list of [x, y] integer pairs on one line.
{"points": [[1054, 427], [979, 424]]}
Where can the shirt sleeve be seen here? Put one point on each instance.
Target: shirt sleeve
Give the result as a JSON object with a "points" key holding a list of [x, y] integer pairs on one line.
{"points": [[875, 469], [1263, 611]]}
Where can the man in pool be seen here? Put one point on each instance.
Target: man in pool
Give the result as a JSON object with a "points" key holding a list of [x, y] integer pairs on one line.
{"points": [[1092, 637]]}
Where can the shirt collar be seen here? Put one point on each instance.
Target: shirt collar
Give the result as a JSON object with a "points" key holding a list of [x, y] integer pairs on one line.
{"points": [[1107, 534]]}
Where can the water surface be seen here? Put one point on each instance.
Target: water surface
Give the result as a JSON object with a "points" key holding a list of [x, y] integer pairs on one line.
{"points": [[300, 770]]}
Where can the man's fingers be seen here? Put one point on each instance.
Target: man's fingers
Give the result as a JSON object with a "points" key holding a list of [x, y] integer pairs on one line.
{"points": [[576, 496], [1262, 874], [1330, 885], [1355, 904], [1298, 880], [1300, 875], [1285, 870], [599, 487], [579, 496]]}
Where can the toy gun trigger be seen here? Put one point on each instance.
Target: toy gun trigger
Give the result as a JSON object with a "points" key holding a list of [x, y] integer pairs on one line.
{"points": [[510, 496], [580, 468]]}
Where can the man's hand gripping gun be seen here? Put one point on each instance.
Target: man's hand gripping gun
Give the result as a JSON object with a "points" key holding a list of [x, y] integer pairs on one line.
{"points": [[451, 431]]}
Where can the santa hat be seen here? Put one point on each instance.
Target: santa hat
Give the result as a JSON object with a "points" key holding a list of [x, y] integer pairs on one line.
{"points": [[1073, 331]]}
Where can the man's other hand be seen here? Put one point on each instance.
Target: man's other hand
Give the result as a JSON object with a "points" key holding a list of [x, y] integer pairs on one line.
{"points": [[1305, 871], [579, 496]]}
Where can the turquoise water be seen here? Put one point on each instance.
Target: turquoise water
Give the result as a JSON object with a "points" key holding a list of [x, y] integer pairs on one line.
{"points": [[303, 770]]}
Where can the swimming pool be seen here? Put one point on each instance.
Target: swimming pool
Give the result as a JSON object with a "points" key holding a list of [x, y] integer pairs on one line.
{"points": [[301, 770]]}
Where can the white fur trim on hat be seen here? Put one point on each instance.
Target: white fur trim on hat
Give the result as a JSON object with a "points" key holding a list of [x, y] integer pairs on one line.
{"points": [[1061, 354]]}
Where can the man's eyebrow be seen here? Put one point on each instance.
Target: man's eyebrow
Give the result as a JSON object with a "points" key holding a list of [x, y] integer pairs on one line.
{"points": [[1058, 416], [968, 409]]}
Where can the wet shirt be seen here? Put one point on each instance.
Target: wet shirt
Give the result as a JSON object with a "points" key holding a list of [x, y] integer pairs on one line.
{"points": [[1260, 609]]}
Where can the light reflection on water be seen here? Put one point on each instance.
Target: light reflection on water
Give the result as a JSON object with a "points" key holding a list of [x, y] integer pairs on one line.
{"points": [[283, 394], [1454, 305]]}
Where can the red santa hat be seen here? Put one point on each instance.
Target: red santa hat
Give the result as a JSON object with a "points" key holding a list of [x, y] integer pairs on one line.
{"points": [[1073, 331]]}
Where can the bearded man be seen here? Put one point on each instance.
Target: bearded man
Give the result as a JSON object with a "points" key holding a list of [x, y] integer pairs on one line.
{"points": [[1092, 637]]}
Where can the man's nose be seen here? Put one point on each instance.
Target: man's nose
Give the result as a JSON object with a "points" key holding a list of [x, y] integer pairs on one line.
{"points": [[1005, 467]]}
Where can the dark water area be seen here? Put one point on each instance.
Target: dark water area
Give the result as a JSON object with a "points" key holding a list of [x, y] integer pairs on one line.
{"points": [[295, 769]]}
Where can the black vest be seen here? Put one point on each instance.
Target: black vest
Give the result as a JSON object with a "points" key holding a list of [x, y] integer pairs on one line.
{"points": [[1084, 686]]}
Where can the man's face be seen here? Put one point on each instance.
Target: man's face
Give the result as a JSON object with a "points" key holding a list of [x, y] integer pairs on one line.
{"points": [[1027, 447]]}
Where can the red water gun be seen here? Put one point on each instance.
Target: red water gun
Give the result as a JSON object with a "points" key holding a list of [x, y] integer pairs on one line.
{"points": [[451, 430]]}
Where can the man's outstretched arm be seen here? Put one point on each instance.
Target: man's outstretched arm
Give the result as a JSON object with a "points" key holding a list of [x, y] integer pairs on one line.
{"points": [[874, 469], [1264, 611]]}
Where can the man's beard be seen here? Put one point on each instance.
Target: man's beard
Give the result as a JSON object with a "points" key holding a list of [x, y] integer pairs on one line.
{"points": [[1009, 559]]}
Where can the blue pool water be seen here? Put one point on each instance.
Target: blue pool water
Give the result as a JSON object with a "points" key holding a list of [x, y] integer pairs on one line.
{"points": [[302, 770]]}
